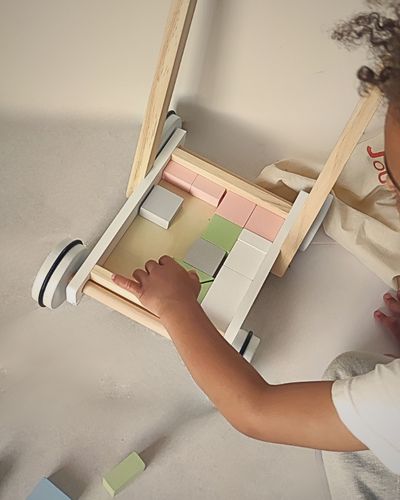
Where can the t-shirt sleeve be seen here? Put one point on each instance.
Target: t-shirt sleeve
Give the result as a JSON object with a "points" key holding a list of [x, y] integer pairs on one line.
{"points": [[369, 406]]}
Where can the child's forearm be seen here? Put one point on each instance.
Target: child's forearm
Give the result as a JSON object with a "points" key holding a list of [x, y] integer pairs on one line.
{"points": [[231, 383]]}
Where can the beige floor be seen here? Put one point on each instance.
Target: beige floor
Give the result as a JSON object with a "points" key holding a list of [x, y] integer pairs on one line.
{"points": [[81, 387]]}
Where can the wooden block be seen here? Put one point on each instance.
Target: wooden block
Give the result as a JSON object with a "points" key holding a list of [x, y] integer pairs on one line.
{"points": [[255, 240], [161, 206], [46, 490], [224, 297], [179, 176], [235, 208], [245, 259], [264, 223], [123, 473], [207, 190], [205, 287], [222, 233], [205, 256], [266, 266], [203, 277]]}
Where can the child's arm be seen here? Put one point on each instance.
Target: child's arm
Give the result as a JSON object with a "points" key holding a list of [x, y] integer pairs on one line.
{"points": [[300, 414]]}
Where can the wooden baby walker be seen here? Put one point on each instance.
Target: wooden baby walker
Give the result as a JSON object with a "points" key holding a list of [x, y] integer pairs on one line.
{"points": [[230, 231]]}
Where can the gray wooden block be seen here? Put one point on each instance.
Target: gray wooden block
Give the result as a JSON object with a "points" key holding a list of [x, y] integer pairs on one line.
{"points": [[160, 206], [205, 256]]}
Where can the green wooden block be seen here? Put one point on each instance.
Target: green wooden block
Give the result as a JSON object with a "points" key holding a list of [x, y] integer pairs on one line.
{"points": [[222, 232], [203, 277], [123, 473], [203, 291]]}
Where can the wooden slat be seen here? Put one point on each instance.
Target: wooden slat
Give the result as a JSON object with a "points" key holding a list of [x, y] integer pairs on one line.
{"points": [[174, 42], [327, 178], [125, 307], [102, 277], [122, 221], [232, 182]]}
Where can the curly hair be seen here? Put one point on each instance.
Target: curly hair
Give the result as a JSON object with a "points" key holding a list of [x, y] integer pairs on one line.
{"points": [[379, 29]]}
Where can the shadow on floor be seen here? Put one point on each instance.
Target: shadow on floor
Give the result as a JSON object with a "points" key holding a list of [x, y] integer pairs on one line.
{"points": [[69, 480]]}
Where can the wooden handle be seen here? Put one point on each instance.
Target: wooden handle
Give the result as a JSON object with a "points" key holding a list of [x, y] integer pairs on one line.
{"points": [[327, 178], [174, 42]]}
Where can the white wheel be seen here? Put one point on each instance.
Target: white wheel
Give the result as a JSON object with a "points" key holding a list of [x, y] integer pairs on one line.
{"points": [[316, 224], [246, 344], [50, 285]]}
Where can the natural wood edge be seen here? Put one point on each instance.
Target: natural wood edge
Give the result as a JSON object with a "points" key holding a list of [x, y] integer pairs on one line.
{"points": [[233, 182], [175, 37], [125, 307], [337, 160], [102, 277]]}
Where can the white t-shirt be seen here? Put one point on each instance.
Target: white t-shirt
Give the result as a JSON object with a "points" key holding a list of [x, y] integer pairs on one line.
{"points": [[369, 406]]}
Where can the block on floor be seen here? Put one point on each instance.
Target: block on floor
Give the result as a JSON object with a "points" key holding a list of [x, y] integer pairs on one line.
{"points": [[123, 473], [255, 240], [161, 206], [205, 287], [224, 297], [205, 256], [207, 190], [235, 208], [264, 223], [222, 233], [203, 277], [46, 490], [245, 259], [179, 176]]}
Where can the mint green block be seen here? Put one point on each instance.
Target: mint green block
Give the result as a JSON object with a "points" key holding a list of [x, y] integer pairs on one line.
{"points": [[223, 233], [123, 473], [203, 291], [203, 277]]}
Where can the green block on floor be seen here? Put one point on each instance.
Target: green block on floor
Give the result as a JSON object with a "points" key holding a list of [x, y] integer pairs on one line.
{"points": [[203, 291], [123, 473], [203, 277], [222, 232]]}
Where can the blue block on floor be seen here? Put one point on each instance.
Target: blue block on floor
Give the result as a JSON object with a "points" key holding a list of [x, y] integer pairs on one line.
{"points": [[46, 490]]}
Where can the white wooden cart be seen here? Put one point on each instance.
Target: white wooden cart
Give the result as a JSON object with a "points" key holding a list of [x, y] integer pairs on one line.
{"points": [[71, 270]]}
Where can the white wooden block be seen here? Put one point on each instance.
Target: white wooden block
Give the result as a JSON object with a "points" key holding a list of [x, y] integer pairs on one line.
{"points": [[205, 256], [245, 259], [255, 240], [225, 295], [255, 286], [161, 206], [122, 220]]}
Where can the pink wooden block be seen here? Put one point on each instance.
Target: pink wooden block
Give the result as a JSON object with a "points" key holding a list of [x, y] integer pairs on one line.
{"points": [[179, 176], [235, 208], [264, 223], [207, 190]]}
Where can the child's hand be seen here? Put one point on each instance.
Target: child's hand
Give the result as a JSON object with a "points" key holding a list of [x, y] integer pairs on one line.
{"points": [[392, 322], [162, 285]]}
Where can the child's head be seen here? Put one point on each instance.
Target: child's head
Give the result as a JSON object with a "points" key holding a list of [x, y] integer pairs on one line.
{"points": [[379, 29]]}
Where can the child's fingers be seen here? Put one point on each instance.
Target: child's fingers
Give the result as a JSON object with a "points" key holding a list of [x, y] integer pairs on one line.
{"points": [[150, 265], [127, 284], [140, 276], [388, 322], [392, 304], [194, 276]]}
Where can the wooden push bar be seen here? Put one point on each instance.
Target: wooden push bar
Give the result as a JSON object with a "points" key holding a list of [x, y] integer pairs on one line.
{"points": [[337, 160], [174, 42]]}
